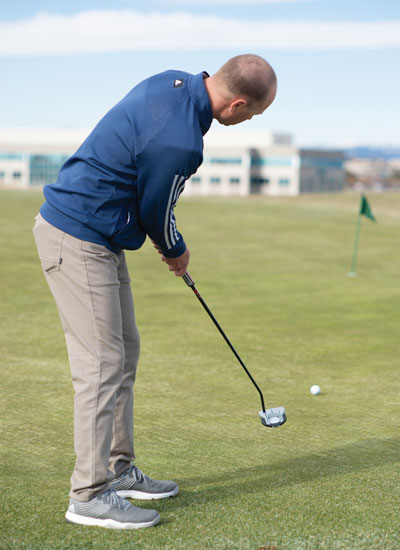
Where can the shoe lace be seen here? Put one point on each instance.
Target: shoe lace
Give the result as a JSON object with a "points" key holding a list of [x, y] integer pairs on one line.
{"points": [[136, 473], [111, 497]]}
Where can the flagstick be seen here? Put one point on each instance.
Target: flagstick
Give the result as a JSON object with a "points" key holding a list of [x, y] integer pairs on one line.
{"points": [[353, 273]]}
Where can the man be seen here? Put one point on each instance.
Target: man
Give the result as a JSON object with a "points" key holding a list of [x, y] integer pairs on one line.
{"points": [[121, 185]]}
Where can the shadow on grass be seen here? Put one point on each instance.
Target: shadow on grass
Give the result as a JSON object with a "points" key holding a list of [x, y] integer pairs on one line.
{"points": [[351, 458]]}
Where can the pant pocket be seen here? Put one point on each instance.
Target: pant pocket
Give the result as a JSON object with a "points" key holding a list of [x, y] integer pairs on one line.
{"points": [[49, 244]]}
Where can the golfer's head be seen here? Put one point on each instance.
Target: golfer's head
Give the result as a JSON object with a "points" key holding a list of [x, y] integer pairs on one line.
{"points": [[244, 86]]}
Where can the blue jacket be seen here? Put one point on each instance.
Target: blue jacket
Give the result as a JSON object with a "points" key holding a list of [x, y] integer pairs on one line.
{"points": [[125, 179]]}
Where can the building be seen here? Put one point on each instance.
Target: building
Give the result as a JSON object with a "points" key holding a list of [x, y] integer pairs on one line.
{"points": [[235, 163], [266, 164], [256, 163], [32, 157]]}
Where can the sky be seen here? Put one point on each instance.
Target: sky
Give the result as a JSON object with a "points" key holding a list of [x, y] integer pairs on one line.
{"points": [[65, 63]]}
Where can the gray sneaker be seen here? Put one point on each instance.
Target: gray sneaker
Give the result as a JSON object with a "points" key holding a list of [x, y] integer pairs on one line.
{"points": [[110, 510], [133, 483]]}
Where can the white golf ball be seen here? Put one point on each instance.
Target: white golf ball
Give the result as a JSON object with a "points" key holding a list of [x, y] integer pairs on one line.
{"points": [[315, 390]]}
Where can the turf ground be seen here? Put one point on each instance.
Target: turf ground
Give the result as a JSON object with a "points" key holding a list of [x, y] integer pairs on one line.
{"points": [[274, 273]]}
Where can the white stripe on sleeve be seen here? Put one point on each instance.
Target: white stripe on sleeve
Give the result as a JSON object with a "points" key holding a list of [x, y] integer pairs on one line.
{"points": [[170, 231]]}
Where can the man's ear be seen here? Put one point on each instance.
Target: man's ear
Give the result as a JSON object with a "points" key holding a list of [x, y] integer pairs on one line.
{"points": [[238, 104]]}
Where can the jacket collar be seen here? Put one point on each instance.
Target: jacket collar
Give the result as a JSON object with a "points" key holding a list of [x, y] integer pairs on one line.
{"points": [[201, 100]]}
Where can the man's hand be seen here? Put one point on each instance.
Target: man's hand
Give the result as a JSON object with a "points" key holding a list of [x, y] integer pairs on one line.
{"points": [[177, 265]]}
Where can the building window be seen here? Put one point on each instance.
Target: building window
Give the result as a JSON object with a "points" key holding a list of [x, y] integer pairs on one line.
{"points": [[234, 181], [215, 180], [271, 161], [195, 179], [11, 156], [255, 180], [16, 175], [223, 160], [284, 182]]}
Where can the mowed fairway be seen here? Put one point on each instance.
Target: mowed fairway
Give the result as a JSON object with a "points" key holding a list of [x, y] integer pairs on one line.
{"points": [[274, 273]]}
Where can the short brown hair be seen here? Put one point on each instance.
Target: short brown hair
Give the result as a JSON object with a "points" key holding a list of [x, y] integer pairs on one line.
{"points": [[248, 76]]}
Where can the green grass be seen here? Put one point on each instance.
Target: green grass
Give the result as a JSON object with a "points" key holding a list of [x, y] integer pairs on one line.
{"points": [[274, 273]]}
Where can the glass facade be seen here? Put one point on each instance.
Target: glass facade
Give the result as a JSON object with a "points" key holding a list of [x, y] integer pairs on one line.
{"points": [[44, 168], [321, 172], [322, 162]]}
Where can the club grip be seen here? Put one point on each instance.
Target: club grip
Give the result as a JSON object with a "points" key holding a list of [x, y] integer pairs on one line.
{"points": [[188, 279]]}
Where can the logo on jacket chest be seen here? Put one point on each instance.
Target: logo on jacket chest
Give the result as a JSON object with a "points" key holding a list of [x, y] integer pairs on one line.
{"points": [[178, 83]]}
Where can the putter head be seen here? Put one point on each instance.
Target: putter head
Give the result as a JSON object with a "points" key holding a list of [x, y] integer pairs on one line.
{"points": [[273, 418]]}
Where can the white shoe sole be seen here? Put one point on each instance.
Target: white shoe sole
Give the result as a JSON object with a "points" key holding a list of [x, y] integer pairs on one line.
{"points": [[140, 495], [108, 523]]}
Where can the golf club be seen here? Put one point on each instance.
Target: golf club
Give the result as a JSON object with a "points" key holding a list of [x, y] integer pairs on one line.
{"points": [[272, 418]]}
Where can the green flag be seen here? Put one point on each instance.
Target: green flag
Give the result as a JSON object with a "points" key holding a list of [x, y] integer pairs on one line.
{"points": [[365, 209]]}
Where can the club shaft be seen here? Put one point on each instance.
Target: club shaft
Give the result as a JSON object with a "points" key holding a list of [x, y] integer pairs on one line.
{"points": [[191, 284]]}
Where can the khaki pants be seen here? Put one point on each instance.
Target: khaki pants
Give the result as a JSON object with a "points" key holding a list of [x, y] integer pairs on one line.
{"points": [[91, 287]]}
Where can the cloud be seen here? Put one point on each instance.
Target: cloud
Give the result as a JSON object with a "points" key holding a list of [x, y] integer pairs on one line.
{"points": [[127, 30], [236, 2]]}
